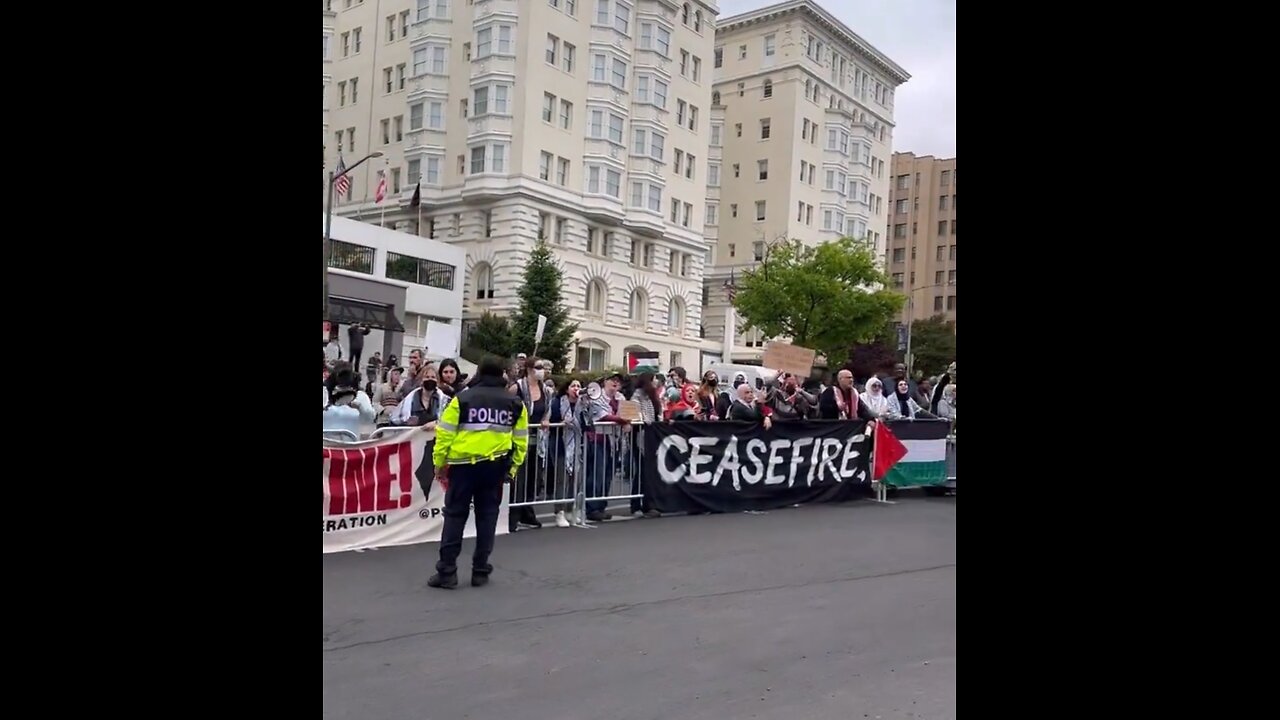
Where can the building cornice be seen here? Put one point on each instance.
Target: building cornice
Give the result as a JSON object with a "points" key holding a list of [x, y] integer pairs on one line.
{"points": [[825, 20]]}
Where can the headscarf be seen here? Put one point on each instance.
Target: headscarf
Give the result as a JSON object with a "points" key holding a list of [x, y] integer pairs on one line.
{"points": [[874, 397], [904, 399]]}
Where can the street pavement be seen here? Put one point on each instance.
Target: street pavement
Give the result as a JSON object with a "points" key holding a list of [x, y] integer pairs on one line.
{"points": [[835, 612]]}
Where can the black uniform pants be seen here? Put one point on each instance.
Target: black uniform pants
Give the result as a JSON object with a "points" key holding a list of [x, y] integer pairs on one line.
{"points": [[481, 484]]}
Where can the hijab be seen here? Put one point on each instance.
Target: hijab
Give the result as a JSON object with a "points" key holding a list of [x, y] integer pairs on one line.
{"points": [[904, 399]]}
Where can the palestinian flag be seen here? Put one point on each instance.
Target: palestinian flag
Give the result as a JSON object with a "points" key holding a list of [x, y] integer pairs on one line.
{"points": [[925, 462]]}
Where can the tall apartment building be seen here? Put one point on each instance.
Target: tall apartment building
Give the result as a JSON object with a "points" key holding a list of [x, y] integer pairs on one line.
{"points": [[922, 234], [801, 131], [581, 122]]}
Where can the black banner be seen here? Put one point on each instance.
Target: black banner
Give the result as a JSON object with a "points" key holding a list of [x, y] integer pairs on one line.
{"points": [[731, 466]]}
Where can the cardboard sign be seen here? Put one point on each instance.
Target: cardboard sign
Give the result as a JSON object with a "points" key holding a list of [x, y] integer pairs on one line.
{"points": [[542, 327], [789, 358], [629, 410]]}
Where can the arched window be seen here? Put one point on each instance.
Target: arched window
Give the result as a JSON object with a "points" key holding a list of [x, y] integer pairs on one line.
{"points": [[596, 294], [684, 14], [715, 97], [638, 309], [675, 315], [591, 355], [484, 281], [697, 20]]}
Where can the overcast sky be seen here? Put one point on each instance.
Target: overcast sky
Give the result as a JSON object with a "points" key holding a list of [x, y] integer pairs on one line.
{"points": [[919, 35]]}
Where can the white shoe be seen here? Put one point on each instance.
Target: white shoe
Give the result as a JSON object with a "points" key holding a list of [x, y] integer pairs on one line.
{"points": [[561, 520]]}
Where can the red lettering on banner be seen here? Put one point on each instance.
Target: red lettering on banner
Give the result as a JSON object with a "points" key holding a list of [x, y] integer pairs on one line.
{"points": [[362, 481]]}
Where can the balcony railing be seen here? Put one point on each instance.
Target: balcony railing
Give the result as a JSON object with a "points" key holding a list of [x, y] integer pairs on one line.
{"points": [[410, 269], [352, 257]]}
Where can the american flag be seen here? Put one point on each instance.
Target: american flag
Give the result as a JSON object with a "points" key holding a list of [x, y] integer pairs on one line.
{"points": [[341, 182], [381, 193], [731, 286]]}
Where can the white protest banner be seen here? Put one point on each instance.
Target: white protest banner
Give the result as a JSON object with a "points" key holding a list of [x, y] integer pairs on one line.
{"points": [[542, 326], [374, 494]]}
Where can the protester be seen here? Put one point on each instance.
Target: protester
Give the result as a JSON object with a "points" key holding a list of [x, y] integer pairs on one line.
{"points": [[451, 376], [677, 377], [891, 381], [332, 351], [788, 401], [411, 380], [745, 407], [873, 397], [565, 411], [685, 406], [708, 395], [533, 393], [646, 396], [841, 402], [355, 342], [386, 397], [902, 405], [601, 441], [348, 408], [374, 368], [947, 403], [923, 394], [424, 406]]}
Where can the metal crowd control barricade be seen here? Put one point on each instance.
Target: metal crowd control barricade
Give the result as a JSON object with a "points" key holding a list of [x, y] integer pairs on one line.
{"points": [[610, 462], [951, 461], [548, 475], [389, 430], [338, 437]]}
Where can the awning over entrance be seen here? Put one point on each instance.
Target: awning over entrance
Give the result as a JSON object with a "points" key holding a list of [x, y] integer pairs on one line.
{"points": [[349, 311]]}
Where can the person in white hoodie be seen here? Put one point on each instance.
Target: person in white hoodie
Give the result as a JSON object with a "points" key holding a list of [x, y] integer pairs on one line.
{"points": [[873, 397], [347, 407]]}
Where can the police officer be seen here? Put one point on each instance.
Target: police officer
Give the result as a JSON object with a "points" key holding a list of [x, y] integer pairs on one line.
{"points": [[481, 440]]}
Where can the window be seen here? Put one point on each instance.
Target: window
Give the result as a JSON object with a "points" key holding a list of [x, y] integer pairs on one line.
{"points": [[637, 309], [566, 114], [712, 212], [435, 115], [742, 52], [713, 174], [942, 230], [937, 304], [901, 207], [899, 231], [736, 172], [613, 183], [598, 65], [902, 181], [951, 277], [562, 230], [719, 57], [953, 227], [596, 294], [544, 165], [681, 111], [466, 50], [655, 37], [477, 159], [953, 253], [953, 202], [404, 24], [398, 123], [400, 76], [342, 93], [386, 80], [684, 63], [762, 169], [548, 107], [433, 171], [942, 202], [355, 39], [569, 55], [351, 140], [481, 101], [619, 77], [354, 89], [770, 42], [697, 69], [395, 180], [899, 255], [675, 314], [487, 217], [951, 302], [937, 276], [693, 118], [765, 125], [415, 167], [738, 128], [675, 210], [553, 49], [655, 198], [760, 207], [562, 172], [418, 271], [715, 97], [768, 88], [679, 160], [391, 28], [945, 178], [733, 209], [646, 255], [733, 249], [346, 44], [800, 212], [591, 357], [484, 281], [420, 62]]}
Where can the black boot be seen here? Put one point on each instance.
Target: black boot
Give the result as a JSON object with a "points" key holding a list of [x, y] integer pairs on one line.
{"points": [[529, 517], [446, 582], [480, 575]]}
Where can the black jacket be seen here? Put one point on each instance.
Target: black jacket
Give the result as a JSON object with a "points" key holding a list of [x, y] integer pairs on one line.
{"points": [[829, 410]]}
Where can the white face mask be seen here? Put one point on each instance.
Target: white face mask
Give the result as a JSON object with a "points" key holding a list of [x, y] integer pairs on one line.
{"points": [[540, 374]]}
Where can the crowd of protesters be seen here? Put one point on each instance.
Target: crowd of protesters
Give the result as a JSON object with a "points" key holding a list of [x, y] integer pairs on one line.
{"points": [[590, 436]]}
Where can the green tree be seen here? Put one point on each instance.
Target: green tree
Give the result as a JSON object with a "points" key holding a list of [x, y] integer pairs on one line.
{"points": [[933, 343], [491, 335], [541, 295], [818, 296]]}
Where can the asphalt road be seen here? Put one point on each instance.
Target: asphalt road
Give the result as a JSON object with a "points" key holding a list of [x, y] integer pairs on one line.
{"points": [[824, 612]]}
